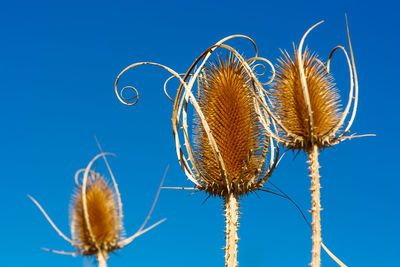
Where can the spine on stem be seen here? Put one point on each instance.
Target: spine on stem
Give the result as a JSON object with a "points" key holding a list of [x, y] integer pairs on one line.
{"points": [[232, 225], [316, 206]]}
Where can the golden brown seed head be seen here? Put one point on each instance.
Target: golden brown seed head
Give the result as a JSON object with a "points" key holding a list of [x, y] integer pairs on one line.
{"points": [[227, 103], [291, 107], [103, 218]]}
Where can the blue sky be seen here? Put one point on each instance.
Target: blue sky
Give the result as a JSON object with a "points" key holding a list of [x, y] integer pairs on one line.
{"points": [[58, 64]]}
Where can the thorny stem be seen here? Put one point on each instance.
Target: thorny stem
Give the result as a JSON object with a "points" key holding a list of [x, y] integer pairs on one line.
{"points": [[316, 206], [101, 259], [231, 219]]}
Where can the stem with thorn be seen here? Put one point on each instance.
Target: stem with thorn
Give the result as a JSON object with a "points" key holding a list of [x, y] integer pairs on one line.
{"points": [[316, 206], [232, 224]]}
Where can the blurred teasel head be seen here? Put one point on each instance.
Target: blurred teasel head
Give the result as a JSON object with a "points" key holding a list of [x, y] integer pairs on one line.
{"points": [[95, 225], [96, 216], [306, 102]]}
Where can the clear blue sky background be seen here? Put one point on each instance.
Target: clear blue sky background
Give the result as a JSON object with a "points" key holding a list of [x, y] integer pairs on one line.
{"points": [[58, 63]]}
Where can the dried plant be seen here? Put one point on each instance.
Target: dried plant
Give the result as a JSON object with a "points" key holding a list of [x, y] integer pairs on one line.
{"points": [[96, 216], [291, 108], [306, 107], [225, 98], [101, 208], [228, 156]]}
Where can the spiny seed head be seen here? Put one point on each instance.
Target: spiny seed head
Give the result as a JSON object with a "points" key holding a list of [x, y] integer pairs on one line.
{"points": [[102, 214], [226, 100], [291, 107]]}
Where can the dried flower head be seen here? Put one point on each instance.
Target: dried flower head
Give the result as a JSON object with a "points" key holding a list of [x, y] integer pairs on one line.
{"points": [[96, 216], [230, 145], [102, 230], [228, 154], [305, 102], [291, 107], [228, 105]]}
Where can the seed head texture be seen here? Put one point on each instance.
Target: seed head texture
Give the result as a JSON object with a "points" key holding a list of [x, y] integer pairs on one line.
{"points": [[290, 104], [227, 103], [103, 217]]}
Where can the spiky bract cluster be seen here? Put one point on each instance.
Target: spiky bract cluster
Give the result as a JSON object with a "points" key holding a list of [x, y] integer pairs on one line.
{"points": [[291, 106], [103, 232], [227, 102]]}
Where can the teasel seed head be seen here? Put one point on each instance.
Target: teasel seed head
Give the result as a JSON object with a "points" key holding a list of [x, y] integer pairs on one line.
{"points": [[226, 99], [96, 216], [229, 151], [290, 104], [305, 103], [101, 232]]}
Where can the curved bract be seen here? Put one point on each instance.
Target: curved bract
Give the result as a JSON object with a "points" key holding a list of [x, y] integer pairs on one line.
{"points": [[229, 150]]}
